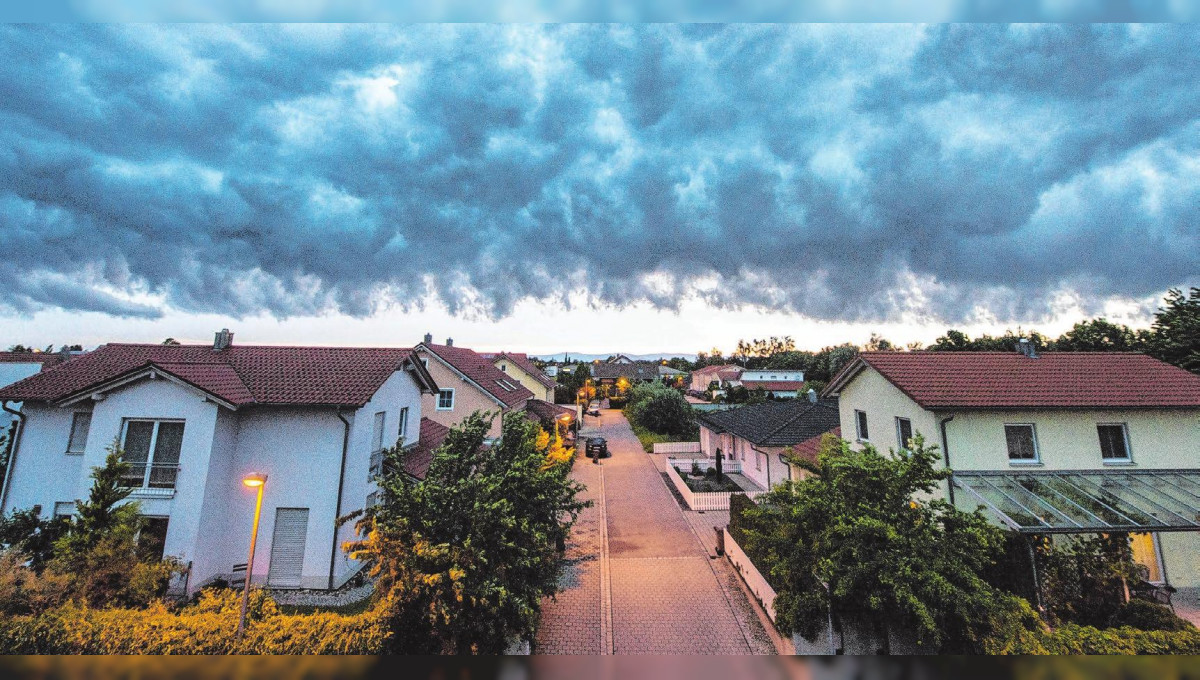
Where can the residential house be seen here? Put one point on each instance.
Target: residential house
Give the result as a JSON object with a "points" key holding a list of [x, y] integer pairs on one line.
{"points": [[701, 378], [777, 383], [620, 367], [517, 365], [194, 420], [1051, 443], [468, 382], [15, 366], [758, 436]]}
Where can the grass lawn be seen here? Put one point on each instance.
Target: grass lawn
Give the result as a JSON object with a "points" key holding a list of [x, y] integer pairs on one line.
{"points": [[649, 439], [348, 610]]}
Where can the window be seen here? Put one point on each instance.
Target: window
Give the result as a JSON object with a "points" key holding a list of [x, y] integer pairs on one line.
{"points": [[757, 460], [504, 367], [152, 539], [1114, 442], [425, 362], [403, 431], [377, 433], [903, 431], [152, 450], [1022, 443], [80, 424], [64, 509], [445, 401], [860, 423]]}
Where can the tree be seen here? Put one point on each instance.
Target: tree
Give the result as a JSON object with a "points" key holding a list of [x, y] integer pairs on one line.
{"points": [[1101, 335], [464, 557], [878, 343], [893, 554], [170, 342], [660, 409], [1175, 333]]}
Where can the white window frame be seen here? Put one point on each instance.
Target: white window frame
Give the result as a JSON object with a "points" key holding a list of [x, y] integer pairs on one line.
{"points": [[71, 435], [1037, 450], [150, 453], [439, 399], [900, 435], [402, 428], [70, 511], [1128, 459], [862, 431], [378, 427]]}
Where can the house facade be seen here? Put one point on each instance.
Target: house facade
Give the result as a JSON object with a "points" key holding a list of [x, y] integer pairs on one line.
{"points": [[194, 420], [759, 437], [781, 384], [468, 382], [517, 365], [1051, 443], [702, 377]]}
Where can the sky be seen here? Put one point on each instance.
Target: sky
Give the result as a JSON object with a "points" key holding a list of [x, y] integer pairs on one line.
{"points": [[638, 188]]}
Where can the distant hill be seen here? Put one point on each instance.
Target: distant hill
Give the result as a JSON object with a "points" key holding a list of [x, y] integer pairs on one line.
{"points": [[579, 356]]}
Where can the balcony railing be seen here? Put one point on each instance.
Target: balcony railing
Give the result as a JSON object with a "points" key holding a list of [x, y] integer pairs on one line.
{"points": [[162, 476]]}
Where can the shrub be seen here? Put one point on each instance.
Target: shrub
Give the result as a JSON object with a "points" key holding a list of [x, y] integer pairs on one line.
{"points": [[205, 628], [660, 409], [1145, 615], [1073, 639]]}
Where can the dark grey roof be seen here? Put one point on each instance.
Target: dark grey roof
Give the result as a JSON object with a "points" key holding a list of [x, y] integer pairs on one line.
{"points": [[641, 370], [776, 423]]}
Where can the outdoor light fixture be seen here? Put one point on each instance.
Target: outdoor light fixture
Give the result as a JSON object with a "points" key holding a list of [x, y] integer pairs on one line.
{"points": [[254, 480]]}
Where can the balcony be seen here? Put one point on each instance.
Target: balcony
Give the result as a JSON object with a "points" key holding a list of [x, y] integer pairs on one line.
{"points": [[156, 480]]}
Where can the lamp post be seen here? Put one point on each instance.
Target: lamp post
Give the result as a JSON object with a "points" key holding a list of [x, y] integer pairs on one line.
{"points": [[254, 480]]}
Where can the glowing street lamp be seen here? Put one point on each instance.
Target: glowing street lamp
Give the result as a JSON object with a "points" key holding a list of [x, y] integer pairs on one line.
{"points": [[254, 480]]}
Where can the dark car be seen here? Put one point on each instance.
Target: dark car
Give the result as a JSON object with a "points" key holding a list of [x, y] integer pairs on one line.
{"points": [[593, 411], [597, 447]]}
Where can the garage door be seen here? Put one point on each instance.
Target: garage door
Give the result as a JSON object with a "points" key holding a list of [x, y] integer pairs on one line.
{"points": [[287, 547]]}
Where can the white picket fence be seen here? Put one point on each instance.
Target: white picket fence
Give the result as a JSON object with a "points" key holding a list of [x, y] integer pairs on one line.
{"points": [[750, 574], [708, 500], [677, 447], [685, 464]]}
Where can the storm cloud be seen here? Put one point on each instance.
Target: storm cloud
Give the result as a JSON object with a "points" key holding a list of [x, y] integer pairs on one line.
{"points": [[840, 172]]}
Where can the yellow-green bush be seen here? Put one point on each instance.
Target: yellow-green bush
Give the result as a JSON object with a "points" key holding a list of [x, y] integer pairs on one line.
{"points": [[205, 628], [1072, 639]]}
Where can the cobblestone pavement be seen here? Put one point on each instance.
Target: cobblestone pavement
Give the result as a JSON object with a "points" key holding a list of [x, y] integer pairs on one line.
{"points": [[651, 587]]}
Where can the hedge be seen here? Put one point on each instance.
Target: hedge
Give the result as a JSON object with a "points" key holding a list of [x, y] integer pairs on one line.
{"points": [[206, 628], [1073, 639]]}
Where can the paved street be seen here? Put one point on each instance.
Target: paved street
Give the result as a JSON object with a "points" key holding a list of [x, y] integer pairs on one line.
{"points": [[639, 581]]}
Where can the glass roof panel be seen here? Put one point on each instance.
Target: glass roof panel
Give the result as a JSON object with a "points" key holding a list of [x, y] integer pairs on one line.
{"points": [[1086, 501]]}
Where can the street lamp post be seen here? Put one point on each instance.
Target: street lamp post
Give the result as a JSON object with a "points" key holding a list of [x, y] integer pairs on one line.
{"points": [[257, 481]]}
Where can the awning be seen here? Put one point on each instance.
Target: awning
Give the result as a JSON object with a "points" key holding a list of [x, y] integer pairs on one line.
{"points": [[1085, 501]]}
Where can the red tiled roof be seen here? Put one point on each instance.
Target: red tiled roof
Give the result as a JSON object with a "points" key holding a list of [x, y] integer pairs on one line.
{"points": [[522, 360], [242, 374], [714, 368], [485, 374], [774, 385], [1012, 380], [416, 463], [729, 373], [810, 448], [46, 359]]}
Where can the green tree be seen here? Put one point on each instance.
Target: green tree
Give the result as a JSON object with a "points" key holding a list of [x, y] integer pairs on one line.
{"points": [[464, 557], [1175, 334], [868, 535], [660, 409], [98, 551], [1101, 335]]}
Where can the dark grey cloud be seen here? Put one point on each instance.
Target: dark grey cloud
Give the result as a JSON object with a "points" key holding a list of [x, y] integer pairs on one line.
{"points": [[842, 172]]}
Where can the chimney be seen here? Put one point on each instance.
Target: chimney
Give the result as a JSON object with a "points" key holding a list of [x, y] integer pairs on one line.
{"points": [[429, 338], [449, 342], [223, 340], [1026, 348], [812, 395]]}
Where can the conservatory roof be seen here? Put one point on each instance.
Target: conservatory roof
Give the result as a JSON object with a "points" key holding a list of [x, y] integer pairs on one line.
{"points": [[1085, 501]]}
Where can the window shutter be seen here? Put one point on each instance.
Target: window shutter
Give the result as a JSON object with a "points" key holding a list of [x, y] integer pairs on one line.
{"points": [[287, 547]]}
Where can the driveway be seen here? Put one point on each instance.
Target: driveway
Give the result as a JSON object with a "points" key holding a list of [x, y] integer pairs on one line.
{"points": [[638, 579]]}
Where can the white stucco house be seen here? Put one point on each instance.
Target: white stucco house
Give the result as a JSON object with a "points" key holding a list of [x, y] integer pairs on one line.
{"points": [[195, 419], [16, 366], [1057, 443], [777, 383]]}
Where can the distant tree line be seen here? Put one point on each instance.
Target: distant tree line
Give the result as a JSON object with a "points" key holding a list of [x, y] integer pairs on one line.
{"points": [[1174, 337]]}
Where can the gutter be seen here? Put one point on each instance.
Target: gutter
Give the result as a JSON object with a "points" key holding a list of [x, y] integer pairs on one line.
{"points": [[14, 444], [341, 485], [946, 455]]}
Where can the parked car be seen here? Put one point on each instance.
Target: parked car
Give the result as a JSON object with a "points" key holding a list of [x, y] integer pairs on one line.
{"points": [[597, 447], [593, 411]]}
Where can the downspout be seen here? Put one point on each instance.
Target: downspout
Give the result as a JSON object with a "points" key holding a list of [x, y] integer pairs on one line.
{"points": [[946, 455], [14, 444], [341, 484]]}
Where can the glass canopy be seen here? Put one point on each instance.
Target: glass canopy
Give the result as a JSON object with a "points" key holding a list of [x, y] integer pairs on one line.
{"points": [[1085, 501]]}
